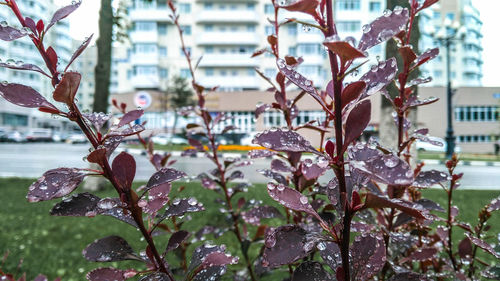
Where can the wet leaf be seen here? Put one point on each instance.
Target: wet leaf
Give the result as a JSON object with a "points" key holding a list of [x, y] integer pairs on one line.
{"points": [[465, 248], [78, 205], [414, 102], [62, 13], [261, 109], [428, 55], [23, 96], [379, 76], [97, 119], [422, 254], [367, 256], [164, 176], [312, 170], [284, 140], [8, 33], [113, 207], [181, 206], [124, 170], [24, 66], [408, 276], [197, 259], [55, 183], [429, 178], [261, 153], [358, 119], [494, 205], [376, 201], [383, 28], [111, 248], [279, 166], [304, 6], [106, 274], [310, 271], [330, 253], [218, 259], [66, 90], [483, 245], [176, 240], [275, 176], [344, 50], [291, 199], [430, 205], [130, 116], [254, 215], [388, 169], [157, 276], [285, 245], [352, 91], [79, 51], [111, 144]]}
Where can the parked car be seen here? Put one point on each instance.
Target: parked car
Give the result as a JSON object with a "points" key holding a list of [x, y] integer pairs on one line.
{"points": [[440, 145], [3, 135], [247, 140], [164, 139], [15, 136], [76, 138], [35, 135]]}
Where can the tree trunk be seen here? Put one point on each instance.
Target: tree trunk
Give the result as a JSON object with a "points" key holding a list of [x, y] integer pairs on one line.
{"points": [[103, 68], [387, 128]]}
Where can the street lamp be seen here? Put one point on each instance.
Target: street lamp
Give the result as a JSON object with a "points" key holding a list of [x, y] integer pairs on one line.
{"points": [[446, 36]]}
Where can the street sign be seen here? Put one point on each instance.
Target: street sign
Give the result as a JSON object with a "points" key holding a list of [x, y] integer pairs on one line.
{"points": [[142, 99]]}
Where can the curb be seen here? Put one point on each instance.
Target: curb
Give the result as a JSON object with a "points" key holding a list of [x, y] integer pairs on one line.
{"points": [[463, 163]]}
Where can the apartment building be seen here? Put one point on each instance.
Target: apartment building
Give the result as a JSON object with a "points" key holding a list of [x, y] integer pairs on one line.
{"points": [[85, 64], [18, 118]]}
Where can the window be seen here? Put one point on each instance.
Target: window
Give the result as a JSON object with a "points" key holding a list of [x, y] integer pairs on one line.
{"points": [[375, 6], [308, 48], [208, 6], [185, 73], [437, 15], [162, 28], [184, 8], [476, 113], [161, 4], [292, 29], [251, 28], [269, 9], [208, 27], [145, 48], [269, 30], [145, 70], [292, 51], [450, 16], [144, 26], [234, 72], [250, 72], [438, 73], [209, 71], [223, 73], [474, 138], [163, 73], [348, 26], [163, 51], [348, 4], [186, 29], [250, 6], [14, 119], [209, 50]]}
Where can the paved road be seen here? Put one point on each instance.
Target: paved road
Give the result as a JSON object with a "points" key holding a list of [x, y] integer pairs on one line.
{"points": [[31, 160]]}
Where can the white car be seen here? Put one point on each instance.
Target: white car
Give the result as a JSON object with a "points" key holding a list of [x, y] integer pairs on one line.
{"points": [[426, 146], [76, 138], [164, 139]]}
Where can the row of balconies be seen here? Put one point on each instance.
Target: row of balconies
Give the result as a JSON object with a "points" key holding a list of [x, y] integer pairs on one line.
{"points": [[212, 16]]}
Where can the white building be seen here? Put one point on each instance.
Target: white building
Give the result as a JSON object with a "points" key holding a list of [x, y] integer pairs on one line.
{"points": [[14, 117], [225, 33]]}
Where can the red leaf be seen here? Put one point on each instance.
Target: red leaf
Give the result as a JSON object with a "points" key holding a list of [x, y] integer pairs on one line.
{"points": [[40, 26], [124, 170], [368, 255], [376, 201], [344, 50], [407, 54], [483, 245], [305, 6], [291, 198], [79, 51], [63, 12], [330, 148], [352, 91], [24, 96], [428, 3], [130, 117], [358, 119], [427, 56], [218, 259], [465, 248], [421, 255], [52, 57], [66, 89]]}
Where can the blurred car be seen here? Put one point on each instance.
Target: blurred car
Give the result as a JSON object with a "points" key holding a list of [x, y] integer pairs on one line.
{"points": [[76, 138], [3, 135], [15, 136], [247, 140], [164, 139], [439, 146], [35, 135]]}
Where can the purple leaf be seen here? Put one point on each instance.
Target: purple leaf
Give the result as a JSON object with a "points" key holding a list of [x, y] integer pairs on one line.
{"points": [[158, 197], [310, 271], [197, 259], [124, 170], [422, 254], [111, 144], [235, 175], [275, 176], [23, 96], [261, 109], [304, 6], [291, 199], [379, 76], [343, 49], [285, 245], [408, 276], [254, 215], [414, 102], [134, 130], [388, 169], [429, 178], [218, 259], [30, 23], [79, 51], [412, 209], [62, 13], [207, 182], [430, 205], [261, 153], [181, 206], [367, 256], [483, 245], [312, 170], [280, 166], [55, 183], [8, 33], [465, 248], [78, 205], [494, 205], [157, 276], [427, 56], [130, 117], [164, 176], [97, 119], [24, 66], [113, 207], [383, 28], [284, 140], [358, 119], [351, 92], [418, 81], [176, 240], [330, 253], [106, 274], [111, 248]]}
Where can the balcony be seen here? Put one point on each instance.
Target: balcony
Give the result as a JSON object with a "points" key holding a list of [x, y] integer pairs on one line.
{"points": [[141, 81], [227, 16], [313, 59], [144, 36], [159, 14], [144, 59], [310, 37], [232, 82], [228, 60], [228, 38]]}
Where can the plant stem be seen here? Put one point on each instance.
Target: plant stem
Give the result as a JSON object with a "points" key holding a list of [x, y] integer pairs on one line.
{"points": [[449, 226]]}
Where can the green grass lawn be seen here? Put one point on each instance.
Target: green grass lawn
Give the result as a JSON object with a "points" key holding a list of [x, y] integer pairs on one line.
{"points": [[53, 245]]}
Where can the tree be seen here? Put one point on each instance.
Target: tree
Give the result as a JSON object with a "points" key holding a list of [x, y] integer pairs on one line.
{"points": [[179, 94]]}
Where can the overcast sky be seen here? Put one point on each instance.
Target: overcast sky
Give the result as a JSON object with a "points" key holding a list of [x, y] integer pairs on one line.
{"points": [[84, 22]]}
